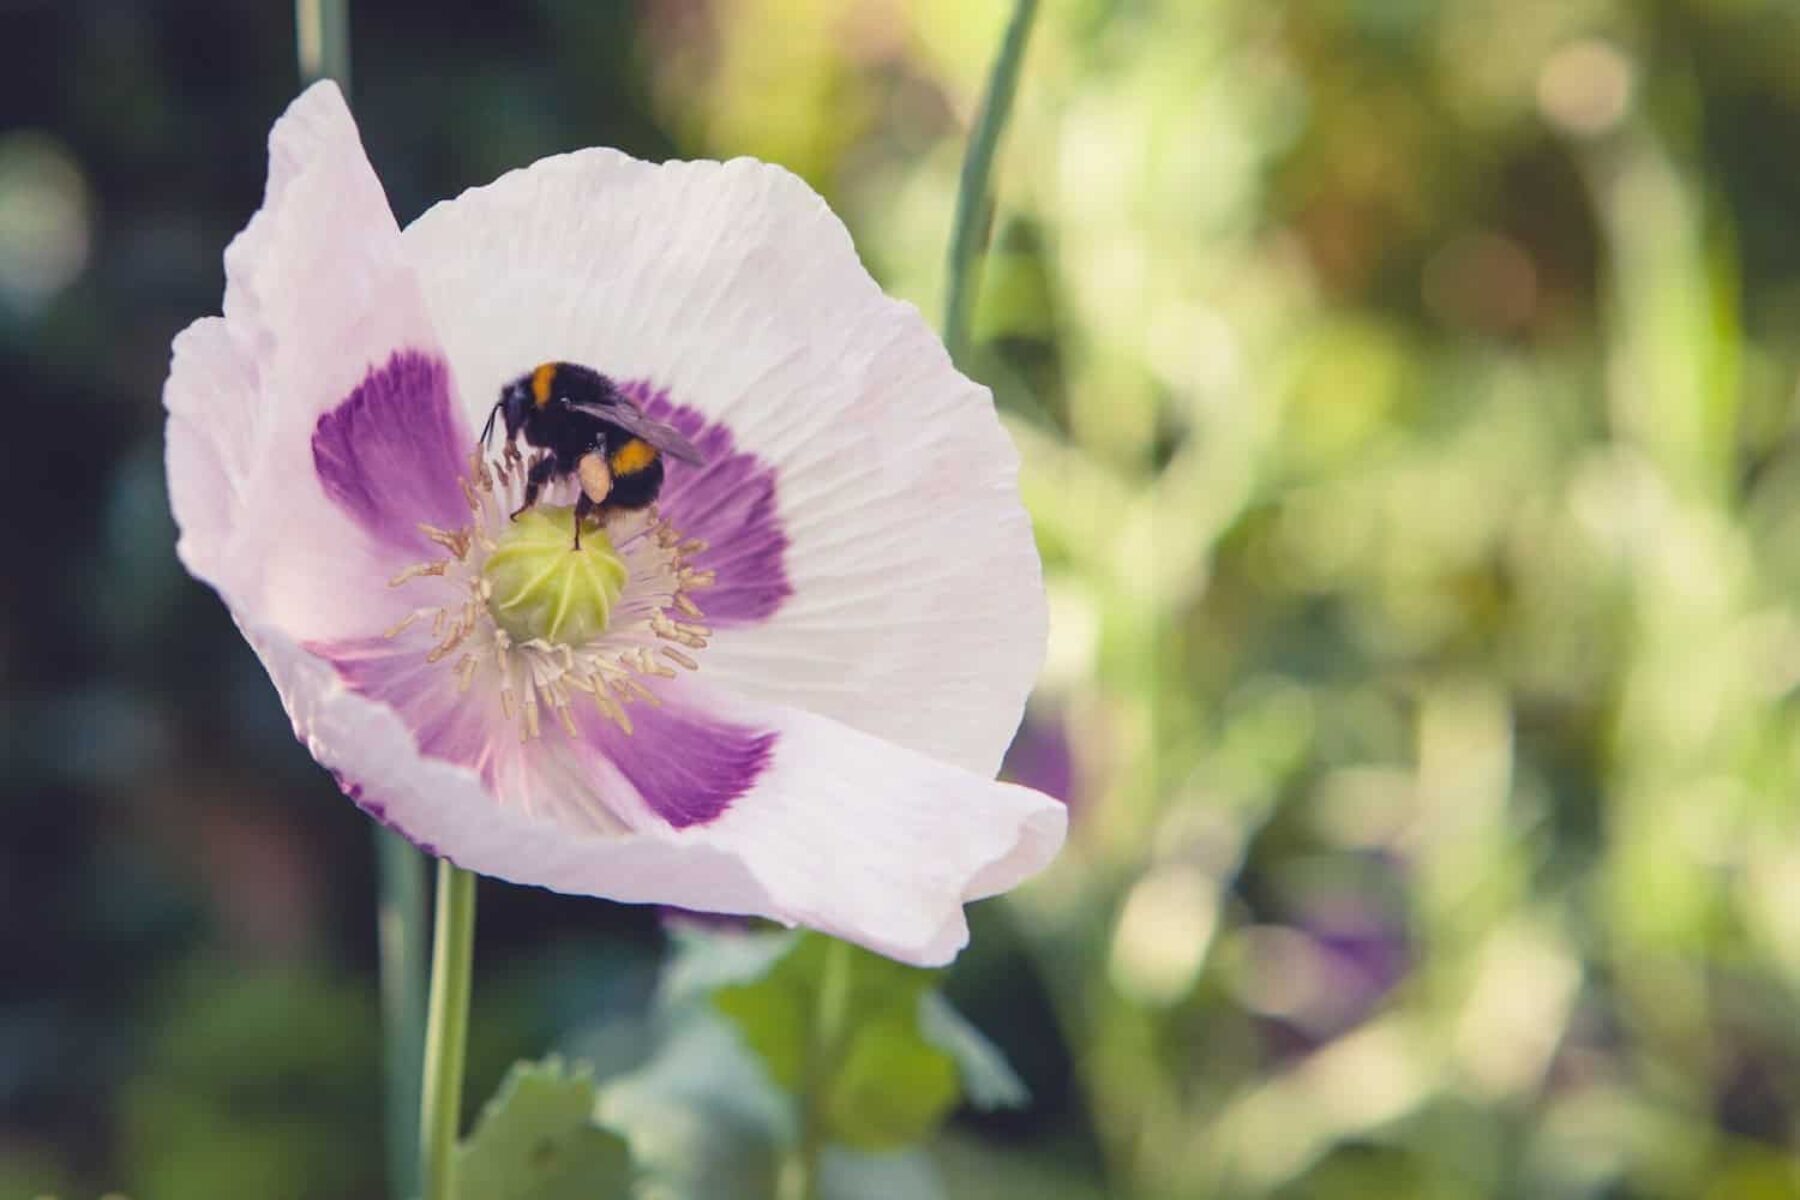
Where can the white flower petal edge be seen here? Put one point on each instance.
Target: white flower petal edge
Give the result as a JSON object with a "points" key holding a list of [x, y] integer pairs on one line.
{"points": [[917, 611], [316, 292], [843, 833], [844, 824]]}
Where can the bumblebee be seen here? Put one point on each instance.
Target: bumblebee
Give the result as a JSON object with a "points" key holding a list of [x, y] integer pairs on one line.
{"points": [[591, 430]]}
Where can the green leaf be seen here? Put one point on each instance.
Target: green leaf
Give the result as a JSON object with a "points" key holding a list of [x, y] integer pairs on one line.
{"points": [[703, 1120], [704, 1114], [536, 1140], [853, 1046], [988, 1080], [705, 961], [705, 1124], [908, 1175], [891, 1087]]}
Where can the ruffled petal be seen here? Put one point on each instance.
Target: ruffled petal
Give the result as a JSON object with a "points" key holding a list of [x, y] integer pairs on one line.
{"points": [[911, 602], [362, 734], [210, 396], [842, 831], [317, 295], [711, 803]]}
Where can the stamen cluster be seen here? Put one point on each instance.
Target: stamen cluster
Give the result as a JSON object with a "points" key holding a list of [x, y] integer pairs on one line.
{"points": [[641, 628]]}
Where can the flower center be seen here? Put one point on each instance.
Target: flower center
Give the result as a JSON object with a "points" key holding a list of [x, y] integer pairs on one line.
{"points": [[519, 611], [541, 587]]}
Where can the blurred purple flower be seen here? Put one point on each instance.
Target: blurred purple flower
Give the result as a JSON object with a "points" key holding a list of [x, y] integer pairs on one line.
{"points": [[1042, 758]]}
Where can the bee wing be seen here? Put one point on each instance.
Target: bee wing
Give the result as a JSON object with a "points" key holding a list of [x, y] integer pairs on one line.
{"points": [[630, 418]]}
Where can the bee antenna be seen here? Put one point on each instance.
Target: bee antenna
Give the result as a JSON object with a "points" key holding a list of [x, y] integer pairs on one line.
{"points": [[487, 430]]}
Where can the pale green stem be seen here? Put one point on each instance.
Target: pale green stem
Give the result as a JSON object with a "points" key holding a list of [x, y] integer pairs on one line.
{"points": [[322, 34], [974, 207], [446, 1032], [800, 1172], [323, 29], [401, 929]]}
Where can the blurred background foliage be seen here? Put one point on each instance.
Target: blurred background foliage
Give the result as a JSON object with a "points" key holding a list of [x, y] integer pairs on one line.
{"points": [[1407, 392]]}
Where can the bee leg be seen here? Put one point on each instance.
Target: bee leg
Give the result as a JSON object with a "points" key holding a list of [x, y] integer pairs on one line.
{"points": [[583, 506], [596, 485], [534, 482]]}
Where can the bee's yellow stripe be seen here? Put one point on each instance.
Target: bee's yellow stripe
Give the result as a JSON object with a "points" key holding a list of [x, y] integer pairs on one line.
{"points": [[541, 379], [633, 456]]}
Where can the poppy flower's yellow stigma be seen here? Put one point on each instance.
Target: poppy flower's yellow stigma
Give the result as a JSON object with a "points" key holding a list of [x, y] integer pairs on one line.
{"points": [[538, 587]]}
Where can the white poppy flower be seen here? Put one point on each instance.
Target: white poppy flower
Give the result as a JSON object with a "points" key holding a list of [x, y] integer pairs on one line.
{"points": [[782, 690]]}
